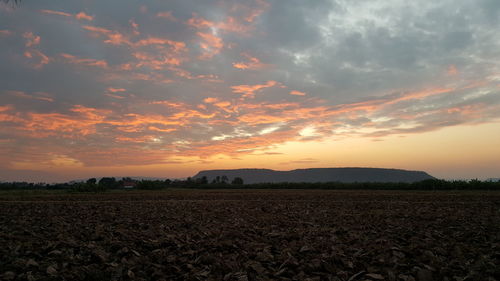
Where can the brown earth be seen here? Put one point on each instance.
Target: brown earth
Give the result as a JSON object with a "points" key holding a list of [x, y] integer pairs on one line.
{"points": [[251, 235]]}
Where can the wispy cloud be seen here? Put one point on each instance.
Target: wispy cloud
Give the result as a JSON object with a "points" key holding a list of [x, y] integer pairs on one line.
{"points": [[252, 63], [79, 16], [84, 61], [250, 90]]}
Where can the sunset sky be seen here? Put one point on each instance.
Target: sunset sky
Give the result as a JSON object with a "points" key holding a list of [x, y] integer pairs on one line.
{"points": [[167, 88]]}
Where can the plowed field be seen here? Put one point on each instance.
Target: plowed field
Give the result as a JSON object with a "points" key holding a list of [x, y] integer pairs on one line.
{"points": [[251, 235]]}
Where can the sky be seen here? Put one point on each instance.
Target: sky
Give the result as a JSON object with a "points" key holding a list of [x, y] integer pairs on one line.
{"points": [[167, 88]]}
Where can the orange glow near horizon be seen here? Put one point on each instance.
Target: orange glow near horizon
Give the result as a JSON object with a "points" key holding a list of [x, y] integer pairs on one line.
{"points": [[394, 151]]}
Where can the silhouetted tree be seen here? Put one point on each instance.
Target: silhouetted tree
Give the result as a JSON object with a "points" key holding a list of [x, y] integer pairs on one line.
{"points": [[224, 179], [92, 181], [237, 180], [107, 182], [204, 180]]}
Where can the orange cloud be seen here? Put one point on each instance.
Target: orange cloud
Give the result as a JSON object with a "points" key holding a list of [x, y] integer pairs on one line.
{"points": [[86, 62], [36, 96], [31, 39], [167, 54], [230, 24], [262, 6], [208, 31], [166, 15], [96, 29], [83, 16], [43, 59], [56, 13], [250, 12], [135, 27], [82, 121], [117, 38], [135, 139], [420, 94], [210, 100], [79, 16], [5, 108], [238, 145], [170, 104], [114, 96], [116, 90], [200, 23], [233, 25], [112, 92], [252, 63], [5, 32], [176, 45], [470, 111], [155, 77], [188, 75], [249, 90], [211, 44], [257, 114], [41, 125], [379, 103], [155, 62], [297, 93], [113, 37]]}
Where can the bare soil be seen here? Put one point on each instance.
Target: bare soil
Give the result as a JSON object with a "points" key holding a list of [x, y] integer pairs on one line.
{"points": [[250, 235]]}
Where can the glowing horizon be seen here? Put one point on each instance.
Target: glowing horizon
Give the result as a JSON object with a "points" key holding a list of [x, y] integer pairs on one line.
{"points": [[167, 89]]}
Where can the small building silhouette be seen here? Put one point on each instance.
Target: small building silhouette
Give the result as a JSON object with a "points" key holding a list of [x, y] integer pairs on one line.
{"points": [[129, 184]]}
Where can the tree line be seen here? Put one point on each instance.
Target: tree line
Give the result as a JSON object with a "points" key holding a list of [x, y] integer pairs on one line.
{"points": [[221, 182]]}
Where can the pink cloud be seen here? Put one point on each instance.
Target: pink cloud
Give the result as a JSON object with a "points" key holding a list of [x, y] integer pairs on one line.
{"points": [[230, 24], [56, 13], [154, 61], [86, 62], [97, 29], [250, 12], [79, 16], [113, 37], [135, 27], [211, 44], [176, 45], [42, 58], [166, 15], [249, 90], [5, 32], [31, 39], [114, 96], [84, 16], [252, 63], [297, 93], [5, 108], [35, 96], [116, 90]]}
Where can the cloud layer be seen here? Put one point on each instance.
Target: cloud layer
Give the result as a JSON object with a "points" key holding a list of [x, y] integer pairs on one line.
{"points": [[88, 84]]}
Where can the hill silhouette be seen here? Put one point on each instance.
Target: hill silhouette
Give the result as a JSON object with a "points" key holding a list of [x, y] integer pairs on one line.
{"points": [[346, 175]]}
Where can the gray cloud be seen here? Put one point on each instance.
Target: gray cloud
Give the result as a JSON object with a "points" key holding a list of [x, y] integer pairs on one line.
{"points": [[359, 64]]}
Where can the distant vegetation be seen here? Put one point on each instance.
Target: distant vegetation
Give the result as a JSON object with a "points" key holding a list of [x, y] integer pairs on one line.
{"points": [[223, 182]]}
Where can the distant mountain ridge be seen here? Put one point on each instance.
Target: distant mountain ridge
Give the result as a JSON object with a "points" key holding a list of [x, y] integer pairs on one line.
{"points": [[346, 175]]}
